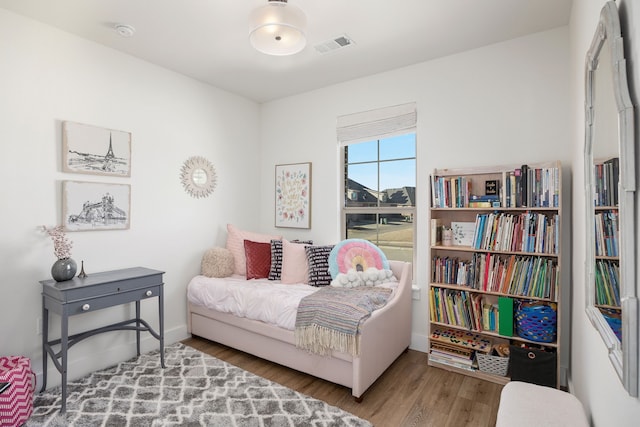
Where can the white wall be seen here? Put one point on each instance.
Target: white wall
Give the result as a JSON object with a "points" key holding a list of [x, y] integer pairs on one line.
{"points": [[593, 379], [513, 102], [503, 104], [48, 76]]}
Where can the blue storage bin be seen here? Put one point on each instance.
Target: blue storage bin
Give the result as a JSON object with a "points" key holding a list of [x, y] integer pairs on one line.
{"points": [[536, 321]]}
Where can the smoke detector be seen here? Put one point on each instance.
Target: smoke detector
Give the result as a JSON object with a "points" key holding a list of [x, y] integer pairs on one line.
{"points": [[334, 44], [125, 30]]}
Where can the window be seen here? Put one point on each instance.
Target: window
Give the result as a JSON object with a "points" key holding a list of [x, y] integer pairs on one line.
{"points": [[379, 178], [379, 182]]}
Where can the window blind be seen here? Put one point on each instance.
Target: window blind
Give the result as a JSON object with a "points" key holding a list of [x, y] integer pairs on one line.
{"points": [[376, 124]]}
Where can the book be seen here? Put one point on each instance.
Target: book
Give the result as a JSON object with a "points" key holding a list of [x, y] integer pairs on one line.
{"points": [[436, 231], [448, 362], [491, 187], [479, 230], [463, 233], [484, 198], [451, 357], [450, 354], [505, 322], [613, 169], [481, 204], [517, 173], [512, 190], [524, 187], [435, 198]]}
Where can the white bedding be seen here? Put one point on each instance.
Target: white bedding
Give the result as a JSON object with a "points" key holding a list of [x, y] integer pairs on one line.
{"points": [[257, 299], [265, 300]]}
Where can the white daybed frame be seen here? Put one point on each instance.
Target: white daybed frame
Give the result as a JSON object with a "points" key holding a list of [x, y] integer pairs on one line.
{"points": [[384, 336]]}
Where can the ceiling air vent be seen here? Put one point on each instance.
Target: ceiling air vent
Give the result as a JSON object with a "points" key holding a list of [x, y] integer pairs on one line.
{"points": [[334, 44]]}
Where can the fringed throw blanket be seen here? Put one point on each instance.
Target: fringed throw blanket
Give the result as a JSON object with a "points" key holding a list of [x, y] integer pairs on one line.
{"points": [[330, 318]]}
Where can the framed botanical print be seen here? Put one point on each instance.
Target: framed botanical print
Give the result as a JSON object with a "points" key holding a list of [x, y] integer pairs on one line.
{"points": [[293, 195]]}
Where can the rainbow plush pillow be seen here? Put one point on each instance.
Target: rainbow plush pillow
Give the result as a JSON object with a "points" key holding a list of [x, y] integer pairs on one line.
{"points": [[358, 262]]}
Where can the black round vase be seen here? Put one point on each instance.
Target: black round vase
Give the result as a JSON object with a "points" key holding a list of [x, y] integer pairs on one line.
{"points": [[63, 269]]}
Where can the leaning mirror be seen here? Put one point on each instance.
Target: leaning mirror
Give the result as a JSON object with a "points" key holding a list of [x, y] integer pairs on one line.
{"points": [[609, 167]]}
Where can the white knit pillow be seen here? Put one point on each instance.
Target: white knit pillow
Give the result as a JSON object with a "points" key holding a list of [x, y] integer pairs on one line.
{"points": [[217, 262]]}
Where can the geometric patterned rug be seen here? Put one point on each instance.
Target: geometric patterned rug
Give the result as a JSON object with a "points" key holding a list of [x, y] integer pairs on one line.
{"points": [[194, 389]]}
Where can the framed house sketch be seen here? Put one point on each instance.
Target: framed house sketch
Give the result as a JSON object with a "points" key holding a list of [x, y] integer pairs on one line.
{"points": [[94, 150], [293, 195], [90, 206]]}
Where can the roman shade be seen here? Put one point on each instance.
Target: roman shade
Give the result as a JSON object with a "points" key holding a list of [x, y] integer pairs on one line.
{"points": [[376, 124]]}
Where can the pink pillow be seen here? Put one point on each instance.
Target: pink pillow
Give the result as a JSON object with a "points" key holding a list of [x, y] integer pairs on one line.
{"points": [[258, 259], [295, 268], [235, 244]]}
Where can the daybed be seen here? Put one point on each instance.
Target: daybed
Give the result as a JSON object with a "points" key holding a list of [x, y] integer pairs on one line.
{"points": [[383, 337]]}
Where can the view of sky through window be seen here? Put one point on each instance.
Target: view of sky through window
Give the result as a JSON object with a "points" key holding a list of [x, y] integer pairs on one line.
{"points": [[394, 172]]}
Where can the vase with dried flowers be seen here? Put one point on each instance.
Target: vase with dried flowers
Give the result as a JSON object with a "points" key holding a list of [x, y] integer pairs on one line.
{"points": [[65, 267]]}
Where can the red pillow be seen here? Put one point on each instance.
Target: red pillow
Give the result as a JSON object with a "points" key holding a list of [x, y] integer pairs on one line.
{"points": [[258, 257]]}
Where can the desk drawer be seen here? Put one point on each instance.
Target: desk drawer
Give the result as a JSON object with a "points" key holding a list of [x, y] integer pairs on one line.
{"points": [[93, 304], [99, 284]]}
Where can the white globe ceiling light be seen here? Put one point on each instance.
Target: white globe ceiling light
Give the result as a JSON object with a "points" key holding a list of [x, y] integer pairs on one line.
{"points": [[278, 28]]}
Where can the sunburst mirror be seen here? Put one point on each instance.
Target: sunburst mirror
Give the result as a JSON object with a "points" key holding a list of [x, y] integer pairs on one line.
{"points": [[198, 177]]}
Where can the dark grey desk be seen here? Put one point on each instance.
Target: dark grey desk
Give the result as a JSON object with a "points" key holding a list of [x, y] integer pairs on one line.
{"points": [[94, 292]]}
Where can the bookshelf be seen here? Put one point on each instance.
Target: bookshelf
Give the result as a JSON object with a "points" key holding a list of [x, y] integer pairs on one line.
{"points": [[495, 246], [607, 257]]}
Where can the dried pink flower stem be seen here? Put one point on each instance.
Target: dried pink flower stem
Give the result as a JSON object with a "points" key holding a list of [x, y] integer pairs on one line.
{"points": [[61, 244]]}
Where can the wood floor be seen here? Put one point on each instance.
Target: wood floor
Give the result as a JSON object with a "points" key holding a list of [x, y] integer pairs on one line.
{"points": [[409, 393]]}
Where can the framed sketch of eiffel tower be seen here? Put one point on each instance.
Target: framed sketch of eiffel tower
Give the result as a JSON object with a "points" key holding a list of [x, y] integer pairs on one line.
{"points": [[95, 150]]}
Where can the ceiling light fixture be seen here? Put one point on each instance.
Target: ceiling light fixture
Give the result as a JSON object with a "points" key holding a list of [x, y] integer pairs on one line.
{"points": [[278, 28]]}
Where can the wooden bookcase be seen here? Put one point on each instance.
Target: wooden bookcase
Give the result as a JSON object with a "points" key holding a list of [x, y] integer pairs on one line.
{"points": [[607, 287], [489, 254]]}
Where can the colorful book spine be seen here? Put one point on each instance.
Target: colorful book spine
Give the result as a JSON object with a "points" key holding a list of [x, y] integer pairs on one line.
{"points": [[531, 232], [534, 187], [607, 278]]}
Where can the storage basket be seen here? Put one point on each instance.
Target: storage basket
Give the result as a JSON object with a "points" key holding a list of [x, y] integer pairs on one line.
{"points": [[534, 366], [16, 402], [536, 321], [495, 365]]}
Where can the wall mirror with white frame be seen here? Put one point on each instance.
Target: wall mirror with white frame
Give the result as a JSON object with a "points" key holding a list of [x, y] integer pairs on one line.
{"points": [[611, 302]]}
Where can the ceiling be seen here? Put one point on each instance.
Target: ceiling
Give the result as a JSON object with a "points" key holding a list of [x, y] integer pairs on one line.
{"points": [[208, 39]]}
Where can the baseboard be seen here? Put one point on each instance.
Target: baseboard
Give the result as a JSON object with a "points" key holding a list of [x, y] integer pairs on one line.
{"points": [[419, 343]]}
